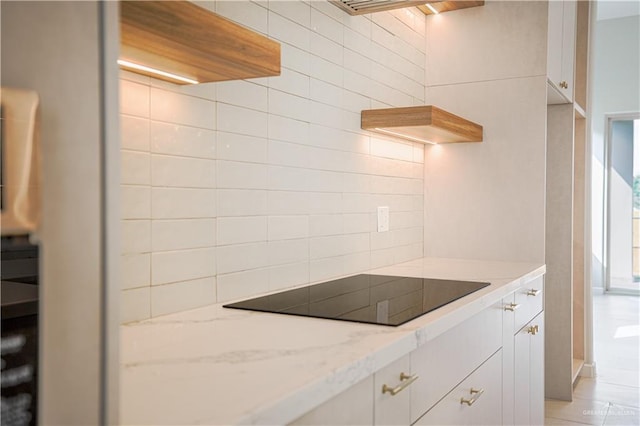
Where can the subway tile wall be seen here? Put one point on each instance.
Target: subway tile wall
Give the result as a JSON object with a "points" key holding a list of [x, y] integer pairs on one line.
{"points": [[237, 188]]}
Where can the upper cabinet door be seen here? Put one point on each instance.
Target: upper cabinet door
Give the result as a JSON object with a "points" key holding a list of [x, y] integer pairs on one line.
{"points": [[561, 50], [568, 47], [554, 42]]}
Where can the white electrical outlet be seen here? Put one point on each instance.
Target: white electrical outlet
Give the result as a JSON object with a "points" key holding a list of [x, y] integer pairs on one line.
{"points": [[383, 219]]}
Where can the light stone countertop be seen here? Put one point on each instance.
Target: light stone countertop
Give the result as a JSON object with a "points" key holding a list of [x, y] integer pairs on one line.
{"points": [[219, 366]]}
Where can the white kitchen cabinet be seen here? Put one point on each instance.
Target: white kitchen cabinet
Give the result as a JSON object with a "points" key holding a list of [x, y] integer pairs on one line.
{"points": [[529, 302], [523, 355], [477, 400], [528, 373], [508, 321], [391, 392], [446, 360], [489, 369], [561, 42], [354, 406]]}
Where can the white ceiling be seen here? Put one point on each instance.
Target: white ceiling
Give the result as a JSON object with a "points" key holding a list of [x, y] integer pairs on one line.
{"points": [[611, 9]]}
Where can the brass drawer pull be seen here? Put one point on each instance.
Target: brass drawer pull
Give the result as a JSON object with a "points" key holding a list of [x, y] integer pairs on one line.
{"points": [[533, 292], [477, 392], [564, 85], [533, 330], [405, 382], [512, 307]]}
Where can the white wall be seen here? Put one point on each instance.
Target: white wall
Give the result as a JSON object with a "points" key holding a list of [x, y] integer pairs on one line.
{"points": [[615, 89], [238, 188], [487, 200]]}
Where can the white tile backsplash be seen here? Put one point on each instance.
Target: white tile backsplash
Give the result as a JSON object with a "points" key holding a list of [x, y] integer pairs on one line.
{"points": [[299, 12], [327, 93], [182, 234], [242, 284], [288, 227], [242, 93], [176, 297], [249, 14], [241, 257], [237, 188], [238, 230], [288, 129], [326, 26], [287, 105], [290, 81], [325, 70], [242, 202], [323, 269], [288, 202], [288, 251], [325, 224], [136, 236], [134, 133], [232, 146], [174, 139], [135, 304], [136, 168], [240, 120], [287, 31], [182, 265], [136, 270], [136, 202], [235, 174], [182, 172], [183, 203], [293, 58], [286, 276], [182, 109], [134, 98], [326, 48]]}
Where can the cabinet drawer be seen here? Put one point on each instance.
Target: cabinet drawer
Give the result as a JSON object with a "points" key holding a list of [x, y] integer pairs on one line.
{"points": [[530, 299], [392, 403], [354, 406], [446, 360], [475, 401]]}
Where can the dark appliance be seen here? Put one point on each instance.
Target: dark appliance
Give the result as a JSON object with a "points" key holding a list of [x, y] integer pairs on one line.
{"points": [[375, 299], [19, 344]]}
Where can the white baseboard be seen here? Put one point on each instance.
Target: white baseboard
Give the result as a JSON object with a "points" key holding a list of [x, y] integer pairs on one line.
{"points": [[588, 370]]}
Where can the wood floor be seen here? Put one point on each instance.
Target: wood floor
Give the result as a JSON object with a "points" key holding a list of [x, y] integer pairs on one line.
{"points": [[613, 397]]}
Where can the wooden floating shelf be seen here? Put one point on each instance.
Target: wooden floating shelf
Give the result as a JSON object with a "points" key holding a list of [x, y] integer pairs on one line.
{"points": [[448, 6], [183, 39], [362, 7], [428, 124]]}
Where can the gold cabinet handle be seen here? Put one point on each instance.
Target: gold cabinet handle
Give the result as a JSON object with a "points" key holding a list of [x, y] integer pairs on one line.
{"points": [[512, 307], [564, 85], [533, 292], [405, 380], [477, 394], [533, 330]]}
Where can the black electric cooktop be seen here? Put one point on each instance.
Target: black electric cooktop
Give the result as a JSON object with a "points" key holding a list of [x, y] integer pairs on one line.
{"points": [[375, 299]]}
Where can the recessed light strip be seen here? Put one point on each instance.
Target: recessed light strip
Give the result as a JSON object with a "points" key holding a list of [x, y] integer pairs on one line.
{"points": [[431, 8], [133, 66], [400, 135]]}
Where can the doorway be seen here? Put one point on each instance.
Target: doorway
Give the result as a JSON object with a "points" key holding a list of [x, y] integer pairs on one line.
{"points": [[622, 204]]}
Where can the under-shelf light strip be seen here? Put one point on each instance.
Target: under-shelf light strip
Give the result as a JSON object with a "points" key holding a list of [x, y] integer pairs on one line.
{"points": [[431, 8], [400, 135], [134, 66]]}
